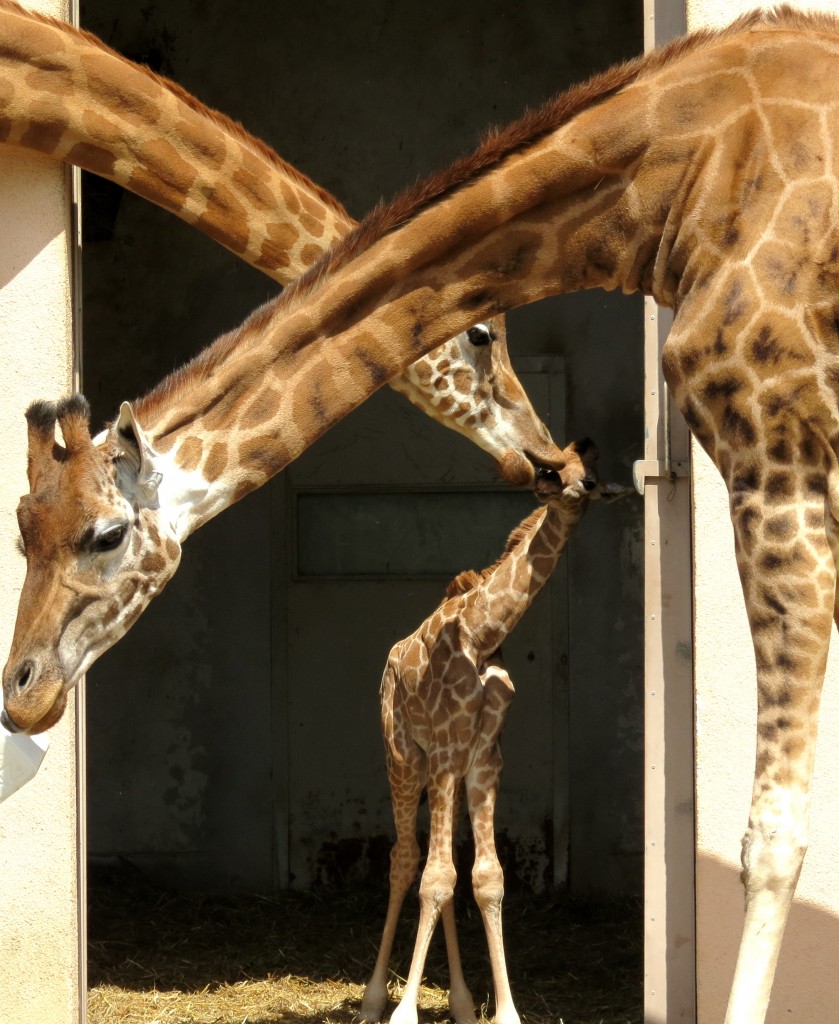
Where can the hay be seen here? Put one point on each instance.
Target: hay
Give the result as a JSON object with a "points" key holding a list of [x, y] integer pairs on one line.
{"points": [[159, 957]]}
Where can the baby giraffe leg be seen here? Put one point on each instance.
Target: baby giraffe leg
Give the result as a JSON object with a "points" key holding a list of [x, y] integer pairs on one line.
{"points": [[482, 781], [789, 583], [461, 1003], [407, 780], [436, 886]]}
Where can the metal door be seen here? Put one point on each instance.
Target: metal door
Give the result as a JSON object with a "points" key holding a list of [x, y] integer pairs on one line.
{"points": [[375, 519]]}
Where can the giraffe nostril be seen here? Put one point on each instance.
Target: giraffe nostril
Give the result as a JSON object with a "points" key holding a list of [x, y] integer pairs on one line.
{"points": [[25, 676]]}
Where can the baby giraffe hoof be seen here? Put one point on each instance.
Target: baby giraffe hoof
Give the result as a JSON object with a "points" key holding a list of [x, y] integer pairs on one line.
{"points": [[464, 1016], [373, 1004], [405, 1013], [462, 1007], [370, 1015]]}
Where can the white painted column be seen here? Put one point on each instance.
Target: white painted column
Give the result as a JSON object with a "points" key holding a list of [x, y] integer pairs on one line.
{"points": [[807, 982], [41, 965], [669, 932]]}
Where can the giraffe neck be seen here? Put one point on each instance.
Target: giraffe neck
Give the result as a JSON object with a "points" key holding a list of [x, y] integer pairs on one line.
{"points": [[87, 105], [492, 609], [67, 95], [262, 394], [618, 194]]}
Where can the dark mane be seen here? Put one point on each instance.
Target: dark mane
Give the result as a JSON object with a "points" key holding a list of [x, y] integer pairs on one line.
{"points": [[470, 579], [500, 142]]}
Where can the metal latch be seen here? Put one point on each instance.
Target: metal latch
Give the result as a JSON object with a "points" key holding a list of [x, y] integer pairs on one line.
{"points": [[660, 469], [655, 469]]}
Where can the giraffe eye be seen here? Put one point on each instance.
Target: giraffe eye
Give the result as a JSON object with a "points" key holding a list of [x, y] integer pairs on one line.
{"points": [[479, 334], [110, 538]]}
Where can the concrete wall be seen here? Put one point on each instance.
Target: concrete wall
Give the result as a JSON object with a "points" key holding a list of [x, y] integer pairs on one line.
{"points": [[39, 967], [807, 984], [186, 748]]}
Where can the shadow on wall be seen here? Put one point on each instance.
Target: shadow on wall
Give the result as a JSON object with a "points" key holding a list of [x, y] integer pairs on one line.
{"points": [[25, 236], [806, 984]]}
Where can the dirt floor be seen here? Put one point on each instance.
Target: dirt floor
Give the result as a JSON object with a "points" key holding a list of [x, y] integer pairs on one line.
{"points": [[159, 957]]}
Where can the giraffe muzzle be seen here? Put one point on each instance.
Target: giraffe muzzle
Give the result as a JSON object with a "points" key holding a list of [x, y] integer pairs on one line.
{"points": [[33, 698]]}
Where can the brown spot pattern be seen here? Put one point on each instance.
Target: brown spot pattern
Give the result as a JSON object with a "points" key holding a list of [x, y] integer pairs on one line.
{"points": [[189, 453], [216, 462]]}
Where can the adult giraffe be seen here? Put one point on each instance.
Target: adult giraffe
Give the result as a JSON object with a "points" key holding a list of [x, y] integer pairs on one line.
{"points": [[703, 174]]}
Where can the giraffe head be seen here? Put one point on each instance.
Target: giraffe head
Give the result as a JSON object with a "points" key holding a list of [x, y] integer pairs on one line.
{"points": [[97, 551], [469, 384], [571, 489]]}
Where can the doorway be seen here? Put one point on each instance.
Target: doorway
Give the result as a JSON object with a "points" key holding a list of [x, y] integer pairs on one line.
{"points": [[212, 726]]}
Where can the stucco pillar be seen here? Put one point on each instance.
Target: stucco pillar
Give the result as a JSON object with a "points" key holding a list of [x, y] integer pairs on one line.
{"points": [[39, 919], [807, 983]]}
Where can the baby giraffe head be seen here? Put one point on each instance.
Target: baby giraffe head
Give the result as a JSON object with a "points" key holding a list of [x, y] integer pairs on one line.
{"points": [[96, 551], [571, 489]]}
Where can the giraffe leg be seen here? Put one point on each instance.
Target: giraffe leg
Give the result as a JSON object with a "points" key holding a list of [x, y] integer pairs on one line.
{"points": [[461, 1004], [407, 780], [788, 573], [436, 886], [482, 781]]}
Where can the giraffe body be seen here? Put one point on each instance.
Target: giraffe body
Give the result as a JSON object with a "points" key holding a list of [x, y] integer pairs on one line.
{"points": [[444, 698], [705, 175]]}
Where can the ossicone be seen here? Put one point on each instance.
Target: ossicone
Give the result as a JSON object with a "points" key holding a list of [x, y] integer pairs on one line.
{"points": [[40, 420], [73, 414], [41, 416]]}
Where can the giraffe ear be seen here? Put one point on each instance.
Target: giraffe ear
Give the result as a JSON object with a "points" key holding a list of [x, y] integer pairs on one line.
{"points": [[138, 451]]}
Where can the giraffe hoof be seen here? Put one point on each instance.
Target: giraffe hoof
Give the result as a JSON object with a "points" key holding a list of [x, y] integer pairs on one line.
{"points": [[462, 1005], [370, 1016], [373, 1004], [405, 1013]]}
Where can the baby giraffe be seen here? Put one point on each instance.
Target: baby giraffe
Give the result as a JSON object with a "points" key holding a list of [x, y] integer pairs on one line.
{"points": [[445, 694]]}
